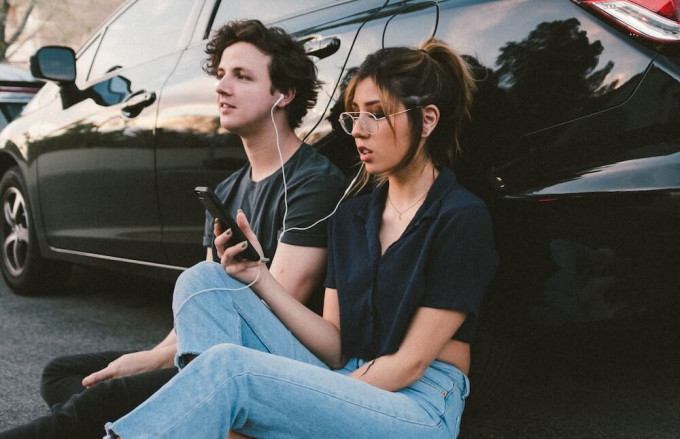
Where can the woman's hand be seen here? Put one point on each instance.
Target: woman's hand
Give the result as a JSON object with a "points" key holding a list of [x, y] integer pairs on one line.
{"points": [[241, 269]]}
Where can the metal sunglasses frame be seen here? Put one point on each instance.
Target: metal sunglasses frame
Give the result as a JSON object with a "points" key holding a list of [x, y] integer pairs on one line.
{"points": [[367, 124]]}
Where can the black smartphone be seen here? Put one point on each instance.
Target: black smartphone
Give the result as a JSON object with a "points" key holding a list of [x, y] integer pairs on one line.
{"points": [[217, 210]]}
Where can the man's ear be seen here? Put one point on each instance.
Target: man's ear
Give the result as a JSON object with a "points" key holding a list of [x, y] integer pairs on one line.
{"points": [[285, 98], [430, 119]]}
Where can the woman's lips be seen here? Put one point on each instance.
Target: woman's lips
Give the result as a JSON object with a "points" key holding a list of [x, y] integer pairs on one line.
{"points": [[364, 153]]}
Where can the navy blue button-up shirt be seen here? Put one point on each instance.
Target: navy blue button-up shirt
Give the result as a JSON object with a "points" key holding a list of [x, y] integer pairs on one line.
{"points": [[444, 259]]}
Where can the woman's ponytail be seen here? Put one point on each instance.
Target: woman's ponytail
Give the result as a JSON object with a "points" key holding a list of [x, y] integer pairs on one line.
{"points": [[455, 88]]}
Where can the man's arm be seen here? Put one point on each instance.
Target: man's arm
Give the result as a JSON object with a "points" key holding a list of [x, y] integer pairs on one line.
{"points": [[161, 356], [299, 270]]}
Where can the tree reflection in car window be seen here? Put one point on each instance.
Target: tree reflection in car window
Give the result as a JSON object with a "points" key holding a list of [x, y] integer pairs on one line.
{"points": [[232, 10], [528, 66], [129, 40]]}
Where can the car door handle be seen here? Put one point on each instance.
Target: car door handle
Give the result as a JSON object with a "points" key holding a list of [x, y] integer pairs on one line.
{"points": [[136, 102], [321, 47]]}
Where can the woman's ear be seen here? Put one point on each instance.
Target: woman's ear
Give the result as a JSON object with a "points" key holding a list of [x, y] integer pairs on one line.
{"points": [[430, 119]]}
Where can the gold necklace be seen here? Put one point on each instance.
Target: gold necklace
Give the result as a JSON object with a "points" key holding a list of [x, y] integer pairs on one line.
{"points": [[400, 212]]}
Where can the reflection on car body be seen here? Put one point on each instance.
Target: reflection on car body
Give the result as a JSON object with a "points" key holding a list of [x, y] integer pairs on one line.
{"points": [[17, 88]]}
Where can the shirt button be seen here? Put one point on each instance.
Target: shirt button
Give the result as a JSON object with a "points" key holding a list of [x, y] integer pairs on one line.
{"points": [[444, 393]]}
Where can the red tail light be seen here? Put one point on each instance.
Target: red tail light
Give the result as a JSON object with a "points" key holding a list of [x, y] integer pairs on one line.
{"points": [[656, 20]]}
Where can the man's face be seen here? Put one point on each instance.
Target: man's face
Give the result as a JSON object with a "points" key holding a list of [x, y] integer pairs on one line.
{"points": [[244, 90]]}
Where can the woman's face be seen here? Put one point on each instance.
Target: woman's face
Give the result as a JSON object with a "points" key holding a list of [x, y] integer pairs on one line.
{"points": [[382, 150]]}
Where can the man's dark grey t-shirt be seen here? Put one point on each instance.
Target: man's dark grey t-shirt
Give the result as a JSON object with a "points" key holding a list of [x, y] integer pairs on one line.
{"points": [[314, 187]]}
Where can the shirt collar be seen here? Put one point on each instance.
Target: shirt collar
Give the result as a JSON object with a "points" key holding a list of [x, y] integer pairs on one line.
{"points": [[371, 213]]}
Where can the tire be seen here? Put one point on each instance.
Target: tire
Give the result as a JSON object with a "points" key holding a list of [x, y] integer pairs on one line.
{"points": [[23, 267]]}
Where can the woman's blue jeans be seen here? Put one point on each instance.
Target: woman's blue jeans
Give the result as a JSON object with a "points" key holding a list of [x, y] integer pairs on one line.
{"points": [[253, 376]]}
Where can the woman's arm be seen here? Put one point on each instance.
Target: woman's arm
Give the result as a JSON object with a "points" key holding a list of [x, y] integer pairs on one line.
{"points": [[321, 335], [429, 331], [293, 272]]}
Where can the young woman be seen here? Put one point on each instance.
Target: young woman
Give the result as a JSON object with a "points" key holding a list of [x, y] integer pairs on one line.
{"points": [[407, 267]]}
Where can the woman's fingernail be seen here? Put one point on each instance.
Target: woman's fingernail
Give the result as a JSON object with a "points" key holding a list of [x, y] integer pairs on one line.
{"points": [[228, 232], [239, 211], [244, 244]]}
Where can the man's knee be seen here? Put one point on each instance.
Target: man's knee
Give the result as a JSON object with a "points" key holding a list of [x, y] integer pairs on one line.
{"points": [[56, 373], [62, 377], [58, 367]]}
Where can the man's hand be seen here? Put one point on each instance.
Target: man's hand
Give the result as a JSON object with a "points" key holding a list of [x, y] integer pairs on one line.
{"points": [[131, 364]]}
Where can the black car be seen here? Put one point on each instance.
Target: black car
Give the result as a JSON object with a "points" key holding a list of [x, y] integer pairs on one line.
{"points": [[574, 143]]}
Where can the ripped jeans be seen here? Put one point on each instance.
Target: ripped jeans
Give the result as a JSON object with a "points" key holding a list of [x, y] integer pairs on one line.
{"points": [[253, 376]]}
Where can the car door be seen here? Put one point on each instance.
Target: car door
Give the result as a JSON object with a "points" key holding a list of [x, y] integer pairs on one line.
{"points": [[96, 162]]}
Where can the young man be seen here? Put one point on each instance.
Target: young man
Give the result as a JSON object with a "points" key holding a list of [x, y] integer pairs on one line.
{"points": [[265, 86]]}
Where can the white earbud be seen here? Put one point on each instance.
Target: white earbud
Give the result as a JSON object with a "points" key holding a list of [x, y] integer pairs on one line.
{"points": [[281, 96]]}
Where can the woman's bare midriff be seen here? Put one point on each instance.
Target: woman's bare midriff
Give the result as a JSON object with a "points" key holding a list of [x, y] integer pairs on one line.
{"points": [[456, 353]]}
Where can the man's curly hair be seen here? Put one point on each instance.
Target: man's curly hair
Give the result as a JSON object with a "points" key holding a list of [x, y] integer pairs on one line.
{"points": [[290, 67]]}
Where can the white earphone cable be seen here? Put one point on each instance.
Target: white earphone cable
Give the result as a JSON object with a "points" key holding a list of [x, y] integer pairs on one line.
{"points": [[285, 182]]}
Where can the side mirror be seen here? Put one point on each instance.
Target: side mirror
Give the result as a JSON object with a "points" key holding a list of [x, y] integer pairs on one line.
{"points": [[54, 63]]}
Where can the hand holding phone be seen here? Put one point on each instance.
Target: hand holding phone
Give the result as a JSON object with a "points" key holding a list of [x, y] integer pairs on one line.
{"points": [[217, 210]]}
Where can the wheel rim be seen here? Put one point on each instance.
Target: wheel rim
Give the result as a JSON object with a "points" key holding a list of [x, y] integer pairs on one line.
{"points": [[15, 228]]}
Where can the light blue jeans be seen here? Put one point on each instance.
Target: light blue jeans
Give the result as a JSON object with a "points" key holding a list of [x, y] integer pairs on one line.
{"points": [[253, 376]]}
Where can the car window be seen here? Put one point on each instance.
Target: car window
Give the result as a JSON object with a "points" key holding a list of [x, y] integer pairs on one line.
{"points": [[12, 109], [263, 10], [129, 40], [84, 60], [8, 112]]}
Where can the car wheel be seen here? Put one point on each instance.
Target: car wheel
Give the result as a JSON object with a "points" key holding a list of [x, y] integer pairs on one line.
{"points": [[24, 269]]}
